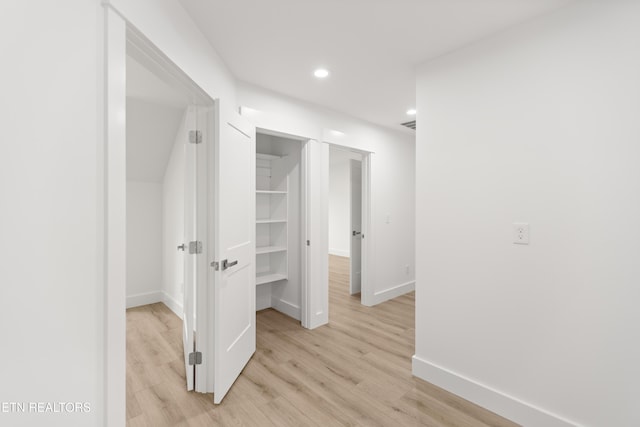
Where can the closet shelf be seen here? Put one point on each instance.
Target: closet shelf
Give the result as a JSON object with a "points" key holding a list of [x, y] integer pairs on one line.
{"points": [[270, 192], [262, 279], [270, 221], [267, 156], [270, 249]]}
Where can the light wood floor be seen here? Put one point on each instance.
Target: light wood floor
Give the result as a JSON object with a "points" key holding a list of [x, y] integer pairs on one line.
{"points": [[356, 371]]}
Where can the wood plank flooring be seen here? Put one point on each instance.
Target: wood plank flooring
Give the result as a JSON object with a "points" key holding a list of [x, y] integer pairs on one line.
{"points": [[356, 371]]}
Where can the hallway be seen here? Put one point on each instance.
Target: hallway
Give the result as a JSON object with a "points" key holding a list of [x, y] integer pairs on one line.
{"points": [[355, 371]]}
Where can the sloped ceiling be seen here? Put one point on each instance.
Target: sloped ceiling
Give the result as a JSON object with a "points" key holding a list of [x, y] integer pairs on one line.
{"points": [[154, 113]]}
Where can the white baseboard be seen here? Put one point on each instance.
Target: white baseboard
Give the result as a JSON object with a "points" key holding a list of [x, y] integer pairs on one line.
{"points": [[173, 304], [502, 404], [144, 299], [286, 307], [339, 252], [387, 294]]}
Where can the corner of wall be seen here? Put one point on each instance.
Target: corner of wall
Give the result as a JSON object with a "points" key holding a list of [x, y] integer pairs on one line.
{"points": [[173, 304], [286, 307], [144, 299]]}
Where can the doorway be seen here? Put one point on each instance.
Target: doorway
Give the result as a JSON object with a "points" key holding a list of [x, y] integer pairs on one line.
{"points": [[218, 234], [345, 219], [165, 216], [279, 223]]}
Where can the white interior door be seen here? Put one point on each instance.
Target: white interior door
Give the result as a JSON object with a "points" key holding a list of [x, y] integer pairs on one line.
{"points": [[234, 289], [189, 250], [355, 271]]}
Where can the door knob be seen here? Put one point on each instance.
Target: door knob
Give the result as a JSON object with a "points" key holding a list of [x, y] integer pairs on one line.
{"points": [[355, 233], [226, 264], [181, 247]]}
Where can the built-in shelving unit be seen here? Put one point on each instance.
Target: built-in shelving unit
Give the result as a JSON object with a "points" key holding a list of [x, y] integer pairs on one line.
{"points": [[272, 185], [279, 245]]}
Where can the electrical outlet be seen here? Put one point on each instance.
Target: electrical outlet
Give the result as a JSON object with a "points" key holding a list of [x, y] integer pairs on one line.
{"points": [[521, 233]]}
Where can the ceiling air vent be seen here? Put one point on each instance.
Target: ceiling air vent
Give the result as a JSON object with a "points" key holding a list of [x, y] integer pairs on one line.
{"points": [[410, 125]]}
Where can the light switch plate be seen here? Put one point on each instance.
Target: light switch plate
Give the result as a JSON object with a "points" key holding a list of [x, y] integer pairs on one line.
{"points": [[521, 233]]}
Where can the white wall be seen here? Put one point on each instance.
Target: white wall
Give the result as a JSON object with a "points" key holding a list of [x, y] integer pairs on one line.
{"points": [[340, 201], [173, 222], [393, 176], [144, 243], [538, 125], [151, 134], [155, 220], [173, 207], [50, 304]]}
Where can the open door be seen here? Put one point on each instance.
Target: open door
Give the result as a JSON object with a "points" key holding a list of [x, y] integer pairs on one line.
{"points": [[189, 247], [355, 271], [234, 212]]}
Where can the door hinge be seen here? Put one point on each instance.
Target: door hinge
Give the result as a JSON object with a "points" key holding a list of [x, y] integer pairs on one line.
{"points": [[195, 136], [195, 247], [195, 358]]}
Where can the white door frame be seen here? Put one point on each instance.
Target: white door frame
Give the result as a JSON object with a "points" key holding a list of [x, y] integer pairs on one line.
{"points": [[315, 223], [111, 209], [367, 293], [112, 227]]}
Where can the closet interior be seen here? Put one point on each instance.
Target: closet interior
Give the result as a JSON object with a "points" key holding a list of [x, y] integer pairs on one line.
{"points": [[278, 224]]}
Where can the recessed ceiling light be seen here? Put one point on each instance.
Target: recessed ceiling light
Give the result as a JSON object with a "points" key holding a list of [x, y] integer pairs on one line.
{"points": [[411, 112], [321, 73]]}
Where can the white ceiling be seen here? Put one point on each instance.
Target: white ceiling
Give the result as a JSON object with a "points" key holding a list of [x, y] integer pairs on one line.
{"points": [[370, 46]]}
